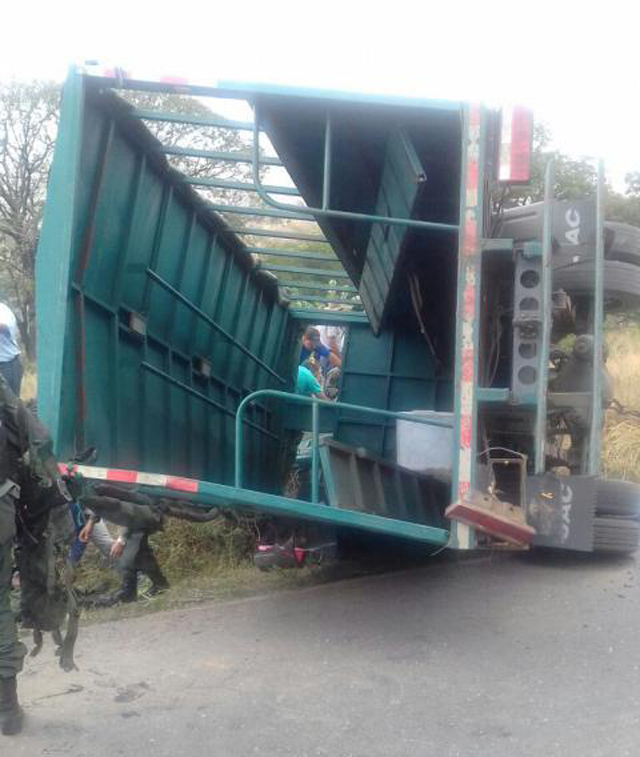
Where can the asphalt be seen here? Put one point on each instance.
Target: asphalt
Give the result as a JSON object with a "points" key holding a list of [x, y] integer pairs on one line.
{"points": [[512, 655]]}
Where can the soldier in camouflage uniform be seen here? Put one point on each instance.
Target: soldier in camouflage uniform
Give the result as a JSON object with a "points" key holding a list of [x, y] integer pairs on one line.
{"points": [[35, 519]]}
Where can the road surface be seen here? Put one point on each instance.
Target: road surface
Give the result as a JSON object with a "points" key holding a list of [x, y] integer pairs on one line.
{"points": [[507, 656]]}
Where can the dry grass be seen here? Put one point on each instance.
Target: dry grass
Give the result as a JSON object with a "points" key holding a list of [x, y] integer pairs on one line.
{"points": [[29, 386], [621, 446]]}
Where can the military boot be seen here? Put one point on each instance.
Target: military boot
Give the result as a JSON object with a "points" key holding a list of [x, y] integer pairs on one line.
{"points": [[158, 581], [148, 564], [11, 715], [128, 591]]}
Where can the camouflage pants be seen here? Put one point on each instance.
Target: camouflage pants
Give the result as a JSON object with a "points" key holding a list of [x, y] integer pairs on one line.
{"points": [[12, 651]]}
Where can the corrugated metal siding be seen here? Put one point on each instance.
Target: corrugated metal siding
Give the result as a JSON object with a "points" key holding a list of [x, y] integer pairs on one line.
{"points": [[138, 398]]}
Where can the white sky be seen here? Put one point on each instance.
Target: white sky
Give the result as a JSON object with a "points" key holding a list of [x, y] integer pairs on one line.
{"points": [[576, 63]]}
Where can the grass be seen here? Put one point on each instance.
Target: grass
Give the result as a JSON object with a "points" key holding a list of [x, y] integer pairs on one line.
{"points": [[621, 443], [29, 386]]}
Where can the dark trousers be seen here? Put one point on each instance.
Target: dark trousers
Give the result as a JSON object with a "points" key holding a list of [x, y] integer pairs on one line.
{"points": [[12, 372], [138, 555], [12, 650]]}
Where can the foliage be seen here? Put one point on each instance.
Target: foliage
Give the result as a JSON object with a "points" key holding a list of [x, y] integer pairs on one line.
{"points": [[633, 183], [623, 207], [28, 123], [574, 178]]}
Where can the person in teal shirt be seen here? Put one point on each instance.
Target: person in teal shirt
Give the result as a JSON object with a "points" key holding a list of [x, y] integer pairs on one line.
{"points": [[308, 384]]}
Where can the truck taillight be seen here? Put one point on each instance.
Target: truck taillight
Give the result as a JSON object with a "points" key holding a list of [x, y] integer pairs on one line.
{"points": [[516, 136]]}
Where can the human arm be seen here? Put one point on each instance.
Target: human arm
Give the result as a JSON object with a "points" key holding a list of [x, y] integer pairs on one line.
{"points": [[119, 544], [334, 359]]}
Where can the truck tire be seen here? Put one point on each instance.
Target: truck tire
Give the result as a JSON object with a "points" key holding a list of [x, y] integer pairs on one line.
{"points": [[626, 242], [618, 498], [616, 535], [621, 282]]}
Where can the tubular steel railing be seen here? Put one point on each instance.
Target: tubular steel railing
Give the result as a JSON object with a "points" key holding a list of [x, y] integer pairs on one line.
{"points": [[316, 404], [325, 212]]}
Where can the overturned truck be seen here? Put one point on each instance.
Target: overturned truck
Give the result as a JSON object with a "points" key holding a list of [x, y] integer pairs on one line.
{"points": [[172, 290]]}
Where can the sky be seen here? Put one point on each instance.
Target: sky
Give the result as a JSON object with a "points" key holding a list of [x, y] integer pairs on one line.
{"points": [[575, 63]]}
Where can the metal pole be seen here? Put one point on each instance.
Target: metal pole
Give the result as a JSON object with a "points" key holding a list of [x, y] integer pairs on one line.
{"points": [[315, 441], [326, 177], [239, 450], [595, 440], [546, 313]]}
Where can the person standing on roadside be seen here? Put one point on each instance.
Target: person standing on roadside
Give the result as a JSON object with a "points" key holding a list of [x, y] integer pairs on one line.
{"points": [[10, 364]]}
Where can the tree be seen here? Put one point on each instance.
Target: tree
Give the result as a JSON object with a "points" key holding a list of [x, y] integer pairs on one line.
{"points": [[574, 178], [633, 183], [625, 207], [28, 121]]}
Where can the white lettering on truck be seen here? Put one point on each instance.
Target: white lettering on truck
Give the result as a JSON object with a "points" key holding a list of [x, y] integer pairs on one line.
{"points": [[566, 497], [572, 235]]}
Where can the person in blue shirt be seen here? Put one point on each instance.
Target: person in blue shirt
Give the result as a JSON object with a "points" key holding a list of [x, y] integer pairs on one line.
{"points": [[312, 347], [10, 365]]}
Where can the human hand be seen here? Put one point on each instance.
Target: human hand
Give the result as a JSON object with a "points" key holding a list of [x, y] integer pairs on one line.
{"points": [[86, 532], [117, 549]]}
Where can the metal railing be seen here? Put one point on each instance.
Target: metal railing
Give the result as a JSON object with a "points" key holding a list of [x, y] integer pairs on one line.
{"points": [[316, 404], [325, 211]]}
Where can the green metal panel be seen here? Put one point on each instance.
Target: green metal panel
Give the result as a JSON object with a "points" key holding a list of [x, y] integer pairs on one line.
{"points": [[357, 481], [393, 372], [143, 287], [402, 180], [53, 261]]}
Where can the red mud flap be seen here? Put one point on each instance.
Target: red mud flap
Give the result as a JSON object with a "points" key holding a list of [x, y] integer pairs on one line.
{"points": [[487, 513]]}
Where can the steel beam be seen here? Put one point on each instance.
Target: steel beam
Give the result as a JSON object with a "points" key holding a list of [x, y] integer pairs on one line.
{"points": [[595, 440], [252, 231], [240, 186], [245, 210], [227, 157], [316, 298], [546, 308], [182, 118], [310, 271], [327, 316], [285, 253]]}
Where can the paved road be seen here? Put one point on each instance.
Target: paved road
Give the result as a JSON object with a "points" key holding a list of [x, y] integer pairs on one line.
{"points": [[509, 656]]}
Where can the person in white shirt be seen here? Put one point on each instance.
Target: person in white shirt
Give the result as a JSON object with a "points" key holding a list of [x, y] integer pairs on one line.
{"points": [[10, 364]]}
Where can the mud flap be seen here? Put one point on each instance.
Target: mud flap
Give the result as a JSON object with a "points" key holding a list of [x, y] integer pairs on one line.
{"points": [[562, 510]]}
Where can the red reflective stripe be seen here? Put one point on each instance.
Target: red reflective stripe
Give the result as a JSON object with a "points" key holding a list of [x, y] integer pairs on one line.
{"points": [[521, 134], [123, 476], [182, 484]]}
